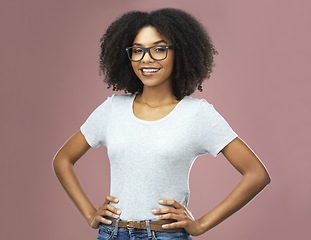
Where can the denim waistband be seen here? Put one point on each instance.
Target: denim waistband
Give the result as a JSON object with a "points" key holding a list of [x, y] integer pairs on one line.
{"points": [[116, 228]]}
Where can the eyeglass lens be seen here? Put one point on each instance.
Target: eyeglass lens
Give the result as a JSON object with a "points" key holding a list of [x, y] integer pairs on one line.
{"points": [[157, 53]]}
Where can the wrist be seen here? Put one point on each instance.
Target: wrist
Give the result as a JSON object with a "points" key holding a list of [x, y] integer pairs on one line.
{"points": [[203, 226], [195, 228], [90, 218], [200, 227]]}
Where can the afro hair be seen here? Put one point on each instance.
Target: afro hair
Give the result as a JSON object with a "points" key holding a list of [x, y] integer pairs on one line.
{"points": [[194, 50]]}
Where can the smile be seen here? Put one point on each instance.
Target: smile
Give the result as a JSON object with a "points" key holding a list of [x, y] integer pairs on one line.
{"points": [[149, 71]]}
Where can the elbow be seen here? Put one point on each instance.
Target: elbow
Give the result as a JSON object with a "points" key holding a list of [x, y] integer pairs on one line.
{"points": [[59, 163], [259, 177], [267, 179], [56, 162], [263, 178]]}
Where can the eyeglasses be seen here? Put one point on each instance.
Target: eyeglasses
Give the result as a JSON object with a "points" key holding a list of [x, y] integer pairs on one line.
{"points": [[158, 52]]}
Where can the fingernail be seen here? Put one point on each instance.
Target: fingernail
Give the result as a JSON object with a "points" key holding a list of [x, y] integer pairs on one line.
{"points": [[164, 226], [109, 222], [161, 201], [119, 212], [154, 210]]}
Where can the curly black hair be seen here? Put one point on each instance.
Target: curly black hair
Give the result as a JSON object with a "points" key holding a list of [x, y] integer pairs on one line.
{"points": [[194, 50]]}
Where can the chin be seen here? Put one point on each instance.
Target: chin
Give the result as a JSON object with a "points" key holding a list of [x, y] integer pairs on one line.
{"points": [[154, 82]]}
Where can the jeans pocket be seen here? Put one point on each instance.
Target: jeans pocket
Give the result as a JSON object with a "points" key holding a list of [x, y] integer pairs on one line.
{"points": [[158, 235], [105, 233]]}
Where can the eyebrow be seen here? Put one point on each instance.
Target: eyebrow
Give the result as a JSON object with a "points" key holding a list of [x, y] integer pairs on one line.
{"points": [[161, 41]]}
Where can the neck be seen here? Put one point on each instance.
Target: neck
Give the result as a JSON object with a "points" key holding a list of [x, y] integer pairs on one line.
{"points": [[158, 96]]}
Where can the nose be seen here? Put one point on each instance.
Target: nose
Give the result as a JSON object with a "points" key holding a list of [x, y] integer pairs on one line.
{"points": [[147, 57]]}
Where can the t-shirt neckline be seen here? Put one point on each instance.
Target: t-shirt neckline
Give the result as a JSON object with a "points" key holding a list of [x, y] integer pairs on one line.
{"points": [[170, 114]]}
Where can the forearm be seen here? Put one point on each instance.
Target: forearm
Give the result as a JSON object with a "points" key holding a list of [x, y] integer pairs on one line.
{"points": [[68, 179], [246, 190]]}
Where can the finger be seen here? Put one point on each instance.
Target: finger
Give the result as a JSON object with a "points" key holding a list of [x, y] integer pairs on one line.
{"points": [[106, 212], [104, 220], [167, 210], [111, 199], [179, 224], [109, 210], [99, 219], [173, 203], [106, 205], [113, 209], [173, 216]]}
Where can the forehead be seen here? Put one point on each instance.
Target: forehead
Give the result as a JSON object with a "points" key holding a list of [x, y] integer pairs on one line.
{"points": [[149, 35]]}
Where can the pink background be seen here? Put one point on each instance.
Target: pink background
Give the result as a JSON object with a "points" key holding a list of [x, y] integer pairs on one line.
{"points": [[50, 85]]}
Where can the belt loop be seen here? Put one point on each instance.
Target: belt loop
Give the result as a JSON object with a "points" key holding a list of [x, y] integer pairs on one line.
{"points": [[116, 227], [148, 229]]}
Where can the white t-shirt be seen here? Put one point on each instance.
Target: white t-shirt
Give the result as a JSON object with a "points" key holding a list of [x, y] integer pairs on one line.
{"points": [[151, 160]]}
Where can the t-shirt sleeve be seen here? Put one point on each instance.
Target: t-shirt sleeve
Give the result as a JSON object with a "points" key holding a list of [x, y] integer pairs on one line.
{"points": [[214, 132], [95, 127]]}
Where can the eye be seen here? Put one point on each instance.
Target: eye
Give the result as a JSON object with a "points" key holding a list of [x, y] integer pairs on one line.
{"points": [[159, 49], [137, 50]]}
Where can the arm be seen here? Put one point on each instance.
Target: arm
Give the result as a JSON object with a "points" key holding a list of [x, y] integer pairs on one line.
{"points": [[255, 178], [63, 163]]}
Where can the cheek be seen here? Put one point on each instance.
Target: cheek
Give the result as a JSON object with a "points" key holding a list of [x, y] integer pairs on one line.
{"points": [[135, 67], [170, 60], [170, 63]]}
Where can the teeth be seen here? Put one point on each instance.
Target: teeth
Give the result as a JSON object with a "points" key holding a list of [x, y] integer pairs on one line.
{"points": [[145, 70]]}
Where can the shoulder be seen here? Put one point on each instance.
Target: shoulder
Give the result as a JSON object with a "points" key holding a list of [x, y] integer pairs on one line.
{"points": [[197, 108], [203, 110], [121, 97], [197, 103], [117, 99], [114, 99]]}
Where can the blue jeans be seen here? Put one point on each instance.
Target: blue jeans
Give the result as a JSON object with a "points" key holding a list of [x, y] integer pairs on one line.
{"points": [[108, 232]]}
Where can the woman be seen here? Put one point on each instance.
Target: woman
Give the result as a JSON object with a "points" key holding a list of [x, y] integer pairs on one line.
{"points": [[154, 134]]}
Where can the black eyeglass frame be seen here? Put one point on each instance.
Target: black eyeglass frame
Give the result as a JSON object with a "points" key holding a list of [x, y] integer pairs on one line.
{"points": [[167, 47]]}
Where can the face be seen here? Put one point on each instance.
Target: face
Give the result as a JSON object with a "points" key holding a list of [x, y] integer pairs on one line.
{"points": [[153, 72]]}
